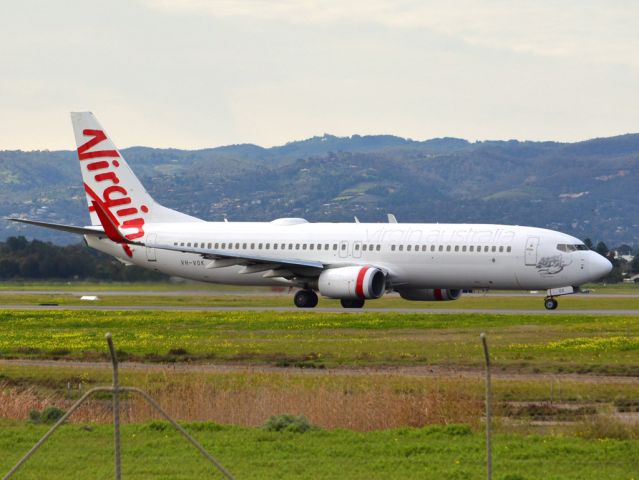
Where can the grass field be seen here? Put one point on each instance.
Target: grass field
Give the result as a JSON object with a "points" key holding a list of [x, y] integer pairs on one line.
{"points": [[152, 450], [357, 375], [541, 343]]}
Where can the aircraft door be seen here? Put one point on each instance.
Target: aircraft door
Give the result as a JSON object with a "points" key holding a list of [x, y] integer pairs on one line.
{"points": [[151, 238], [343, 249], [531, 250], [357, 249]]}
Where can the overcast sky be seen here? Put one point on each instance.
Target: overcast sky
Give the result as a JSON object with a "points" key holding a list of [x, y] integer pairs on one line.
{"points": [[198, 73]]}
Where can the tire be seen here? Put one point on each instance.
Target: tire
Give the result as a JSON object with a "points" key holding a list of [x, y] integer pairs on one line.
{"points": [[550, 304], [352, 303], [305, 299]]}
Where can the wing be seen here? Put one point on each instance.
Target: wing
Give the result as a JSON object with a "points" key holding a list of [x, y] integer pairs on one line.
{"points": [[273, 266]]}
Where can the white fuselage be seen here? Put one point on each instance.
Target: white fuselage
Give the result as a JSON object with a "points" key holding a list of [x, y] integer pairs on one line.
{"points": [[454, 256]]}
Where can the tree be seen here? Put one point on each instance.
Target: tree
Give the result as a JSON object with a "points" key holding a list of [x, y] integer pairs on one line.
{"points": [[634, 265], [588, 243], [602, 249]]}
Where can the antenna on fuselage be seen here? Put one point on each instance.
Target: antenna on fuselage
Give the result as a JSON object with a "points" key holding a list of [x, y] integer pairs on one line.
{"points": [[356, 219], [391, 218]]}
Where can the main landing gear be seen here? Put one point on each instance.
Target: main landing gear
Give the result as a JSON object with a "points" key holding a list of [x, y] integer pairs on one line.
{"points": [[352, 302], [305, 299]]}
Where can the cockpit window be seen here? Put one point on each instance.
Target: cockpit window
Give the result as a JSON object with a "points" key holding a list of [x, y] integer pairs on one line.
{"points": [[563, 247]]}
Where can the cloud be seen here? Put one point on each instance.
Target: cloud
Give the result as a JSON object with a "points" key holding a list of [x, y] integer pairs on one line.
{"points": [[594, 31]]}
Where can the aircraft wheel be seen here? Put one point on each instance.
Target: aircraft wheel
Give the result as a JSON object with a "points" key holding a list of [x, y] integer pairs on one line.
{"points": [[305, 299], [550, 303], [352, 302]]}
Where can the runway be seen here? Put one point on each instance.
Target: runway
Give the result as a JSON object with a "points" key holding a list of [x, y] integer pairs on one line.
{"points": [[354, 311]]}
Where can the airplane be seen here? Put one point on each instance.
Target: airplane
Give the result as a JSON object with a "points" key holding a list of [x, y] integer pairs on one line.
{"points": [[352, 262]]}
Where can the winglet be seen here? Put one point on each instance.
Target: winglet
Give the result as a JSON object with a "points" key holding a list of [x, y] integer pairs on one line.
{"points": [[110, 228]]}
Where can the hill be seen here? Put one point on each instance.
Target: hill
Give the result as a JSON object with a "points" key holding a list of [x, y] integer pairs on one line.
{"points": [[586, 188]]}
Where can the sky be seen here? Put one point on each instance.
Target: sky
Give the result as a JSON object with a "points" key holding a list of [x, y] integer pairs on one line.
{"points": [[198, 73]]}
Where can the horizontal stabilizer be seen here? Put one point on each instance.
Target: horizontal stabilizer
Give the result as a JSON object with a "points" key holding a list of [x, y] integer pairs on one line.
{"points": [[94, 230]]}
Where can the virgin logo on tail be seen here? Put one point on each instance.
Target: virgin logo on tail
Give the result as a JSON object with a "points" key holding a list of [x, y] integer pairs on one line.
{"points": [[113, 197]]}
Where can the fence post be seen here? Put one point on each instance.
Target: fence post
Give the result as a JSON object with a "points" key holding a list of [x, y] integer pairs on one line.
{"points": [[116, 408], [489, 411]]}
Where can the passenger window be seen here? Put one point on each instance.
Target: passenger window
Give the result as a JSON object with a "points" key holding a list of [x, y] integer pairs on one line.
{"points": [[494, 248], [423, 248], [392, 248], [378, 248], [297, 246], [401, 248], [268, 245], [417, 248], [471, 248], [508, 249], [326, 246], [457, 248], [217, 245], [448, 248], [304, 246], [501, 249], [181, 244], [290, 246], [275, 246], [357, 246], [486, 248], [259, 246], [209, 246], [319, 246], [441, 248], [432, 248], [408, 248], [464, 248], [335, 246], [343, 246], [311, 246], [237, 245]]}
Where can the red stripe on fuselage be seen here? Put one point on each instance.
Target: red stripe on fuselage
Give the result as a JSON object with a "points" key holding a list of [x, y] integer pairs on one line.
{"points": [[438, 294], [359, 285]]}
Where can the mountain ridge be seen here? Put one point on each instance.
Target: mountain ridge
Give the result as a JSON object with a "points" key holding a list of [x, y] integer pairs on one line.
{"points": [[582, 188]]}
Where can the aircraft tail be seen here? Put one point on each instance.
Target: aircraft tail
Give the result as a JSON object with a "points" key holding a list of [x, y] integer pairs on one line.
{"points": [[109, 181]]}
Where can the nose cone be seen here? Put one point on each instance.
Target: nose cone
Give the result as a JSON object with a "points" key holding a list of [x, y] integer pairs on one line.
{"points": [[599, 266]]}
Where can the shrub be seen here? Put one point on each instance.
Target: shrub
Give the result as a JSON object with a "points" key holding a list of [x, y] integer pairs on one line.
{"points": [[607, 426], [288, 423], [48, 415]]}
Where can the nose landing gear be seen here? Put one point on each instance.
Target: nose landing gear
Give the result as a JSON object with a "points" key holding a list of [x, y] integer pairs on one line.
{"points": [[550, 303]]}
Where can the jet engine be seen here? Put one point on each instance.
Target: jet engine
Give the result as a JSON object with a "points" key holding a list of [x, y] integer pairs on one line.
{"points": [[352, 282], [429, 294]]}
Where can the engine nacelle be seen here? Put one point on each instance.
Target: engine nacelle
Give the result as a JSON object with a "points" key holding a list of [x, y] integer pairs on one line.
{"points": [[352, 282], [430, 294]]}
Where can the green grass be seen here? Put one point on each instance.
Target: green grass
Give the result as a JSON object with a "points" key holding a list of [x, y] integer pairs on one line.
{"points": [[153, 450], [548, 343]]}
